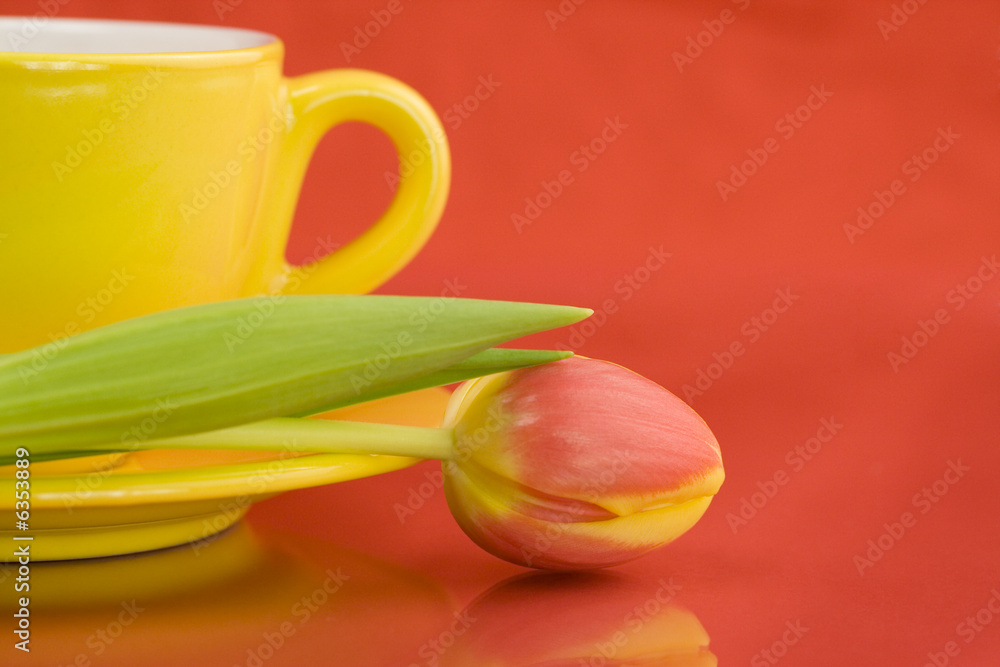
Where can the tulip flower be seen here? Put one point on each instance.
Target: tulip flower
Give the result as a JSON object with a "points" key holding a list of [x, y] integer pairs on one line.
{"points": [[577, 464], [573, 464]]}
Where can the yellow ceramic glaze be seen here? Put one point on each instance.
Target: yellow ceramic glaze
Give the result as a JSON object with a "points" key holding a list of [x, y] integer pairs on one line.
{"points": [[136, 182], [161, 498]]}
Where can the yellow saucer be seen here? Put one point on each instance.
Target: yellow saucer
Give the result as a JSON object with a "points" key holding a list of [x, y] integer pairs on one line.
{"points": [[155, 499]]}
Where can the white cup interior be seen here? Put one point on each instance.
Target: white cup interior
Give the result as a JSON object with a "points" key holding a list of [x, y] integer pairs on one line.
{"points": [[39, 34]]}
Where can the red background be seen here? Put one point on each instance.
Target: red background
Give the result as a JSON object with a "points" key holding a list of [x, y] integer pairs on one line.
{"points": [[656, 186]]}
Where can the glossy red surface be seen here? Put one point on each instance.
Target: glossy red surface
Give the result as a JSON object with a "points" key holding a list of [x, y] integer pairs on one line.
{"points": [[849, 368]]}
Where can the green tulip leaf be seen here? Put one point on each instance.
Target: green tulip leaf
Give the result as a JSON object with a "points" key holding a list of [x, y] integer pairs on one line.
{"points": [[224, 364]]}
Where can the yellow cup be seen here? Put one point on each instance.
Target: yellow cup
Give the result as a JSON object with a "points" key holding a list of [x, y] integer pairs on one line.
{"points": [[147, 166]]}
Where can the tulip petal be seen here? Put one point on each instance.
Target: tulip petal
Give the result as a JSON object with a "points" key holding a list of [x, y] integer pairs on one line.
{"points": [[495, 525], [577, 464]]}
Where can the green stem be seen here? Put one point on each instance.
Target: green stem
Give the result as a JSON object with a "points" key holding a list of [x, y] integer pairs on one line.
{"points": [[316, 435]]}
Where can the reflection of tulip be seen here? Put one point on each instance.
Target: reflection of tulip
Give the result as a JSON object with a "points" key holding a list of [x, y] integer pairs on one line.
{"points": [[579, 620], [577, 464]]}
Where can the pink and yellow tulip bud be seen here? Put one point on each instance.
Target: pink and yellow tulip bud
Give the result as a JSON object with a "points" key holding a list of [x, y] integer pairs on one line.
{"points": [[577, 464]]}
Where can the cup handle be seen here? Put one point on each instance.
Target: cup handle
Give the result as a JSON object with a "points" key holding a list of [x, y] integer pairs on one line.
{"points": [[322, 100]]}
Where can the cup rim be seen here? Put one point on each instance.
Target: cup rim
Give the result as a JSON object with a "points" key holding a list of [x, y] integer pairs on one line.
{"points": [[193, 40]]}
